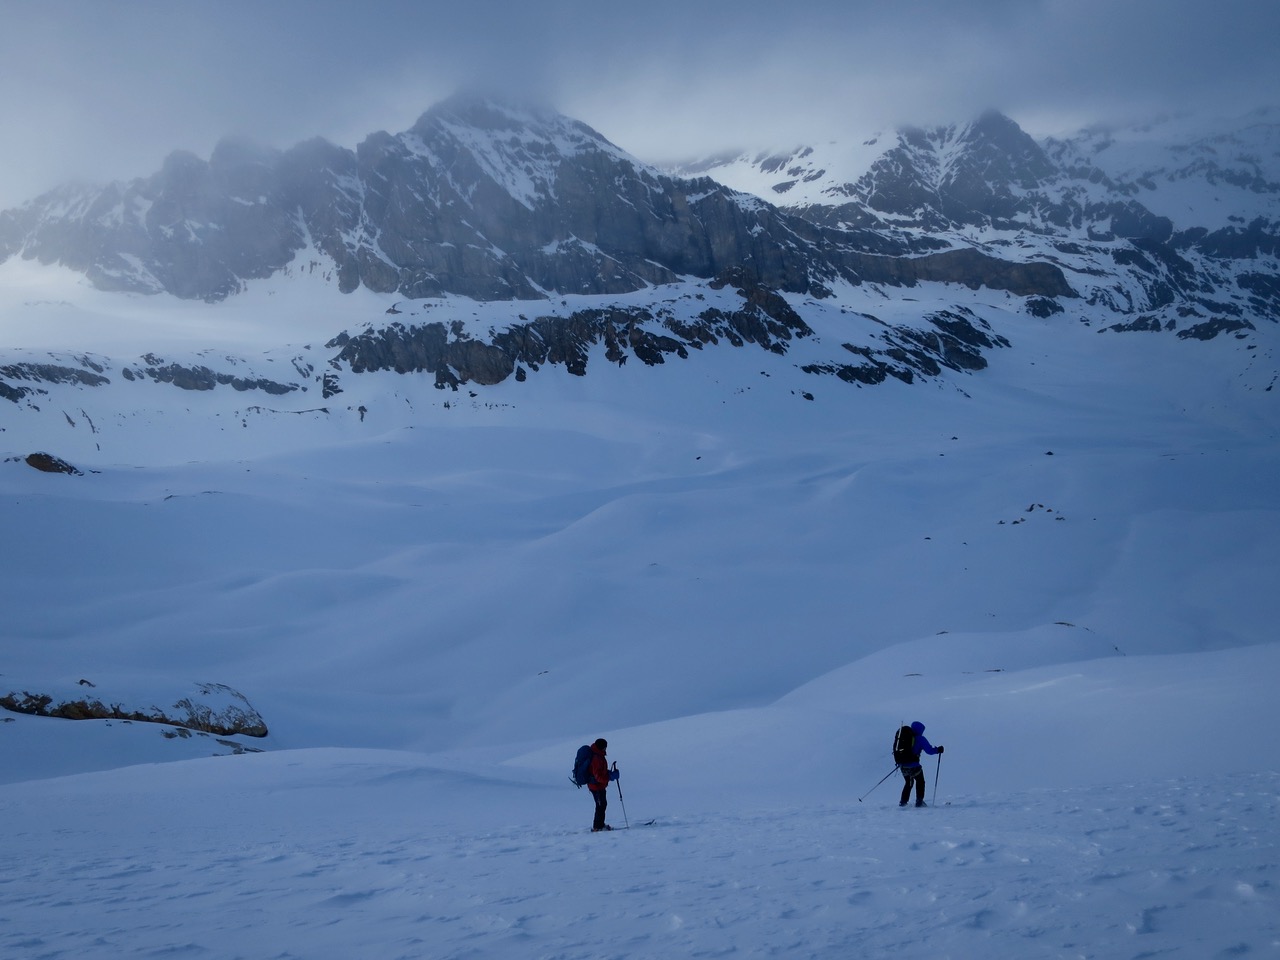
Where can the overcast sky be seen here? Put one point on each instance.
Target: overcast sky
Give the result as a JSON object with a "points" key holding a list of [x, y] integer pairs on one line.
{"points": [[104, 90]]}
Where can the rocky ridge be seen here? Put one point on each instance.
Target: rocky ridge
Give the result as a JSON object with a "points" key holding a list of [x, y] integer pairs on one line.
{"points": [[212, 708]]}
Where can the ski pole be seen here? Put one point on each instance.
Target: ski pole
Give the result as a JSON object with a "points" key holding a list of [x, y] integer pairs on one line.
{"points": [[882, 780], [936, 771], [620, 800]]}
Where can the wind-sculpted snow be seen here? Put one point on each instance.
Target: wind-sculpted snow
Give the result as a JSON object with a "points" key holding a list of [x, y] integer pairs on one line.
{"points": [[356, 854], [364, 550]]}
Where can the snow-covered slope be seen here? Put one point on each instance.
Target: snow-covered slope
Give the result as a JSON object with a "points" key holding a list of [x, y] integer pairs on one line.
{"points": [[340, 853], [375, 547], [795, 176]]}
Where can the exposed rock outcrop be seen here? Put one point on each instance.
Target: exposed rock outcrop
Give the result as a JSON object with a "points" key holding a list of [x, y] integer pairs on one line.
{"points": [[200, 377], [956, 342], [38, 373], [209, 708], [48, 463], [650, 335]]}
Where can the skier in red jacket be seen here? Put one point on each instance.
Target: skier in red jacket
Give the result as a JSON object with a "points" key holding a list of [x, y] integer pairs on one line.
{"points": [[599, 785]]}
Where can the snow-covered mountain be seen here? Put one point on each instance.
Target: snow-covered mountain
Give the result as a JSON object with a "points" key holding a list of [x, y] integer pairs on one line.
{"points": [[1167, 225], [477, 198], [1195, 172], [1219, 174], [742, 522]]}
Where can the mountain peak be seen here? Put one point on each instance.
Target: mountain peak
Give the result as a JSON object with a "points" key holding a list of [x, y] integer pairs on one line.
{"points": [[509, 131], [994, 124], [486, 109], [234, 151], [999, 149]]}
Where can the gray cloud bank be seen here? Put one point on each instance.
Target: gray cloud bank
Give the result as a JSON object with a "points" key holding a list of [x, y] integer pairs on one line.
{"points": [[104, 91]]}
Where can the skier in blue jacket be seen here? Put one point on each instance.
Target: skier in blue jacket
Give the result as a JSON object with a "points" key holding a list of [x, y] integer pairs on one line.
{"points": [[912, 772]]}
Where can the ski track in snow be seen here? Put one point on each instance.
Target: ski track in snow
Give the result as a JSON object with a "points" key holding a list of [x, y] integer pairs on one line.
{"points": [[1184, 868]]}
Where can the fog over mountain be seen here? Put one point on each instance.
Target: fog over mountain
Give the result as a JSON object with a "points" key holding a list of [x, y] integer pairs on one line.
{"points": [[107, 93]]}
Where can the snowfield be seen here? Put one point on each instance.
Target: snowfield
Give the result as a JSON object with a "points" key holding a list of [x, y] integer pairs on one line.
{"points": [[1064, 565], [337, 853]]}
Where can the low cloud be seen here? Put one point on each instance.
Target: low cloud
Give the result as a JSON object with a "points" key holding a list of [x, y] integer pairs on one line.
{"points": [[109, 89]]}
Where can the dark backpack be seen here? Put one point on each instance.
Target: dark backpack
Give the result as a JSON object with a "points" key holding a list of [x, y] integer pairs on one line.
{"points": [[581, 775], [904, 746]]}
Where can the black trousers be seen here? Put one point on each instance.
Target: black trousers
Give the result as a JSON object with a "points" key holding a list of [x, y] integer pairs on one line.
{"points": [[602, 801], [913, 775]]}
